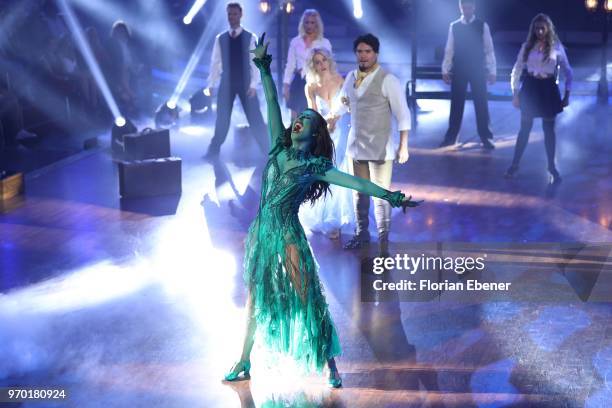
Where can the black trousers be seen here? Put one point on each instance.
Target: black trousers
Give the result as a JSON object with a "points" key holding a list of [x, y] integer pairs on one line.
{"points": [[478, 85], [225, 105]]}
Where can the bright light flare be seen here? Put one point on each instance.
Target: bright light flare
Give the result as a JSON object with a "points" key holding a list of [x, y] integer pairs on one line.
{"points": [[120, 121], [197, 5], [92, 64], [264, 6], [591, 5], [91, 286], [357, 9]]}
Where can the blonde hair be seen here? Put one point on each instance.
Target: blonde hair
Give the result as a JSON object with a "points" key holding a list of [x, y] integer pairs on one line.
{"points": [[307, 13], [312, 77]]}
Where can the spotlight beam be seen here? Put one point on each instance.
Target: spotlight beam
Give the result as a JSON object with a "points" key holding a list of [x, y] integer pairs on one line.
{"points": [[197, 5], [196, 55], [158, 29], [92, 64]]}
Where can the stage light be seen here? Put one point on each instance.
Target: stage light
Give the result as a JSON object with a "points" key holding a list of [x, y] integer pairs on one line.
{"points": [[201, 103], [166, 115], [357, 9], [608, 6], [197, 5], [591, 5], [121, 127], [264, 6], [289, 7]]}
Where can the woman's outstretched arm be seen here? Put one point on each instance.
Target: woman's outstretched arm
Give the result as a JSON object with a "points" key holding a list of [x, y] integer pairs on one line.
{"points": [[395, 198], [262, 60]]}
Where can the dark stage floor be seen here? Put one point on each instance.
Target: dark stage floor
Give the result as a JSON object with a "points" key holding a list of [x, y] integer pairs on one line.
{"points": [[140, 303]]}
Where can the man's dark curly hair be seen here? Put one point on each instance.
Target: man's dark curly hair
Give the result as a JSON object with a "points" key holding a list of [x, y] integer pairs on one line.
{"points": [[369, 39]]}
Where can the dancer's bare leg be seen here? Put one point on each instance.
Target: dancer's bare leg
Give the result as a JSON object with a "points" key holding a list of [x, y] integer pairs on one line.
{"points": [[249, 336], [244, 364]]}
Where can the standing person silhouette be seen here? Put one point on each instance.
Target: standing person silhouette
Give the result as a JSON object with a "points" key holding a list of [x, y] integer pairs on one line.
{"points": [[469, 57], [231, 63], [539, 95]]}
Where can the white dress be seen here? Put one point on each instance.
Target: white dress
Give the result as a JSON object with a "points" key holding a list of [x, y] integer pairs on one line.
{"points": [[336, 209]]}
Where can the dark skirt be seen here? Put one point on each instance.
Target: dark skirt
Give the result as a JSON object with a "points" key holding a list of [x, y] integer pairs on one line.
{"points": [[297, 95], [540, 97]]}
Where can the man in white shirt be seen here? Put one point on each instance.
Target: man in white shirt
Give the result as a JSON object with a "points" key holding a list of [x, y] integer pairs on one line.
{"points": [[469, 57], [231, 64], [374, 96]]}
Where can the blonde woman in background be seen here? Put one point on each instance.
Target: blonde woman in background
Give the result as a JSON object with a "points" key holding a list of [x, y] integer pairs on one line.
{"points": [[310, 35], [323, 85]]}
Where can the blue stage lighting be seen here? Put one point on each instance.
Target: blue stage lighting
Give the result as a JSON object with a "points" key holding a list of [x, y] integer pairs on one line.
{"points": [[121, 127], [197, 5], [166, 115]]}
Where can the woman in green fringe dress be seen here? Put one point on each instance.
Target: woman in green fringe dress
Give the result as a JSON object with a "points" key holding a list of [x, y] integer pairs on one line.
{"points": [[285, 302]]}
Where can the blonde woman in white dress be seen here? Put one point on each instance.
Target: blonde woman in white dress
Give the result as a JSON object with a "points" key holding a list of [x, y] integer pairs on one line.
{"points": [[323, 85], [310, 36]]}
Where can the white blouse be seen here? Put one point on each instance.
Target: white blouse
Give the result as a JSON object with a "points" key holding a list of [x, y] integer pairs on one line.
{"points": [[296, 58], [539, 66]]}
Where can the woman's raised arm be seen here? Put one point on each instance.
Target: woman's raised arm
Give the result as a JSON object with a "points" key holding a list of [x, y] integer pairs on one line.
{"points": [[262, 60]]}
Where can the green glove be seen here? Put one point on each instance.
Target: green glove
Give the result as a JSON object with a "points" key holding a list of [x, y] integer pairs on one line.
{"points": [[262, 59]]}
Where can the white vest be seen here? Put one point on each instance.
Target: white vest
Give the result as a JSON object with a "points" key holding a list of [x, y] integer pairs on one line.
{"points": [[370, 134]]}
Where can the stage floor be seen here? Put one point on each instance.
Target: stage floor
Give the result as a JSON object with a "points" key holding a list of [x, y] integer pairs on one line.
{"points": [[139, 303]]}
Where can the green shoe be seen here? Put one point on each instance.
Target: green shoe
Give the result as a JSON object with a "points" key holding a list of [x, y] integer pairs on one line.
{"points": [[334, 380], [239, 367]]}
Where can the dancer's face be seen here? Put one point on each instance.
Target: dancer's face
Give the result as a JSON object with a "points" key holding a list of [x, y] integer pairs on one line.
{"points": [[302, 128], [311, 25], [366, 57], [467, 9], [234, 15], [320, 63], [541, 30]]}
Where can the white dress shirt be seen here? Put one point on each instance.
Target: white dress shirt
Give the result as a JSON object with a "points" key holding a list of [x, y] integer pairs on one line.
{"points": [[216, 63], [489, 51], [298, 52], [539, 66], [391, 89]]}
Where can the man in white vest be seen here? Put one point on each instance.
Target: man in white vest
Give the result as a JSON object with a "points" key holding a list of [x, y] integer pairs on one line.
{"points": [[373, 97]]}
